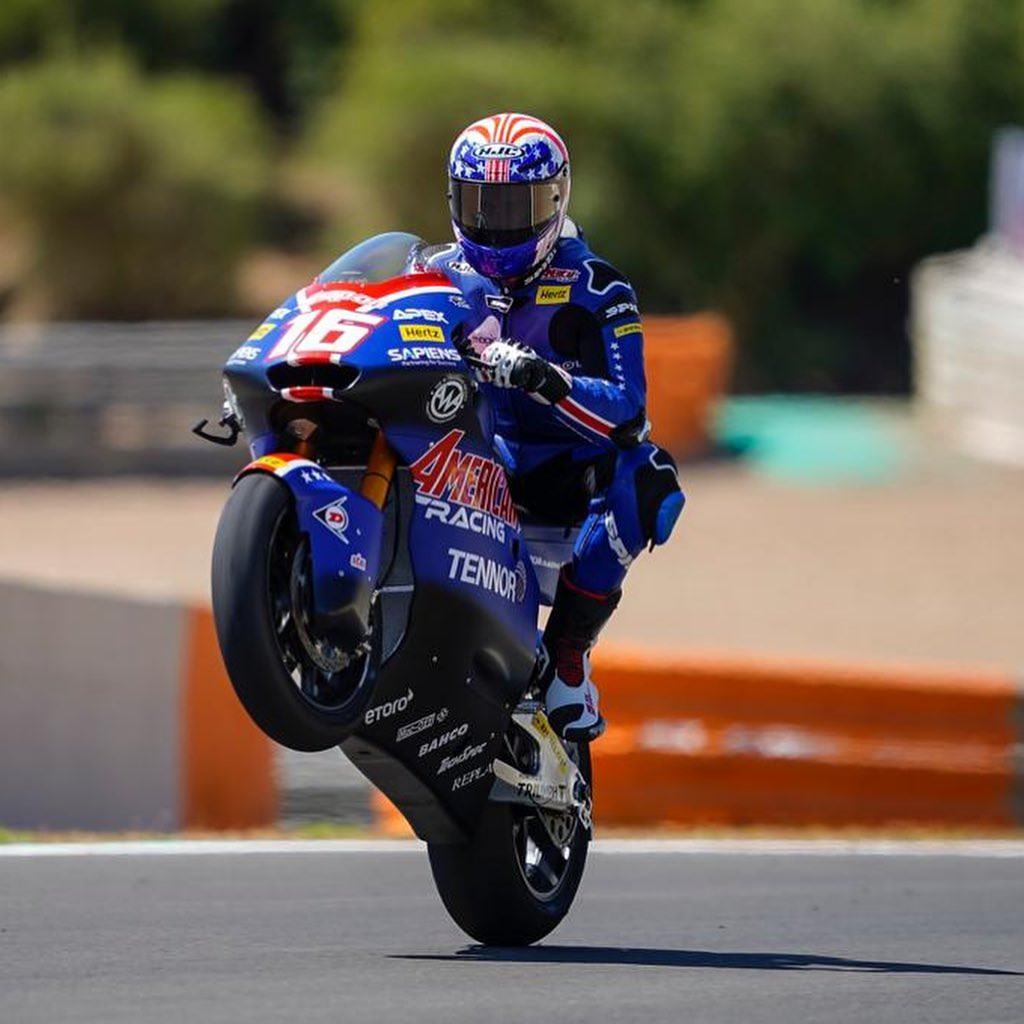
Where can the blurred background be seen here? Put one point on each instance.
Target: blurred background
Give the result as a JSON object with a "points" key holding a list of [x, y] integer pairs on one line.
{"points": [[820, 203]]}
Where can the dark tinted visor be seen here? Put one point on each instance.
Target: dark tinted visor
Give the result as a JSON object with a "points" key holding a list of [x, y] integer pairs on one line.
{"points": [[502, 214]]}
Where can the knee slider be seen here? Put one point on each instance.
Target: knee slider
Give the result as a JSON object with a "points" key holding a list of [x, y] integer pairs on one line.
{"points": [[659, 497]]}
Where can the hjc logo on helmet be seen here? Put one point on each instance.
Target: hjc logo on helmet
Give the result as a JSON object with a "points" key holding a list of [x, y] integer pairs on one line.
{"points": [[497, 151], [508, 190]]}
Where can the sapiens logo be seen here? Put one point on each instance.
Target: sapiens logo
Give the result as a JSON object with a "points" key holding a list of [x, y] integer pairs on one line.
{"points": [[460, 758], [386, 710], [447, 399], [417, 355], [444, 739], [497, 151]]}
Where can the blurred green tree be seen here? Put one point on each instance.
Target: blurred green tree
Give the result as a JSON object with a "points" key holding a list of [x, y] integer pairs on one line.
{"points": [[138, 196], [785, 160]]}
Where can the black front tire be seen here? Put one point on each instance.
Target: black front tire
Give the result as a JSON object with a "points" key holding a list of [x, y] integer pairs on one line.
{"points": [[484, 886], [254, 554]]}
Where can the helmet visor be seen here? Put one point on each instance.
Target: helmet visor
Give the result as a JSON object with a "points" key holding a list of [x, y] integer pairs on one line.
{"points": [[502, 214]]}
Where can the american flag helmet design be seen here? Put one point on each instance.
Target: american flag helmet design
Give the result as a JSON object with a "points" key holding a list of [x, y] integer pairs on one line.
{"points": [[508, 237], [508, 148]]}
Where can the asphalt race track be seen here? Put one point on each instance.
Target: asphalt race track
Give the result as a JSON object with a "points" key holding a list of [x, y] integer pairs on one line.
{"points": [[692, 932]]}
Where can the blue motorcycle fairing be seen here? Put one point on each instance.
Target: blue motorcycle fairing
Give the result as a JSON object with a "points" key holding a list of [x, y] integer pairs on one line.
{"points": [[465, 533], [312, 349], [345, 532]]}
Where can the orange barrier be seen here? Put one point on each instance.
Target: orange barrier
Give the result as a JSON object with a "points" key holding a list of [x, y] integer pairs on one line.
{"points": [[704, 740], [227, 764], [700, 740], [734, 741], [688, 359]]}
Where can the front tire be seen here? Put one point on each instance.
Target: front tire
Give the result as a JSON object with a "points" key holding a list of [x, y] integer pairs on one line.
{"points": [[511, 884], [301, 690]]}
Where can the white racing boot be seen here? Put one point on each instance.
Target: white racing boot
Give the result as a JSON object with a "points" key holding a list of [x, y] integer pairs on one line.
{"points": [[570, 696]]}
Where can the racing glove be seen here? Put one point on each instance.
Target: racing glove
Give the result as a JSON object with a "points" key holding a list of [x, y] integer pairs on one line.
{"points": [[508, 364]]}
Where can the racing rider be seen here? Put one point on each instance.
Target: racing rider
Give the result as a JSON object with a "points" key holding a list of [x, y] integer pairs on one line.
{"points": [[555, 336]]}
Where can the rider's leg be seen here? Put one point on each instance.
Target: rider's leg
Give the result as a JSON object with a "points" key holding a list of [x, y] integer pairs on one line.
{"points": [[638, 507]]}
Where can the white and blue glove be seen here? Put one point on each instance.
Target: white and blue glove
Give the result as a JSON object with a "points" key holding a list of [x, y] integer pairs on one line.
{"points": [[509, 364]]}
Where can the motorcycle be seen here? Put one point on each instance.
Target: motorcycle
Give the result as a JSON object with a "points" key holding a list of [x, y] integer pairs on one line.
{"points": [[376, 588]]}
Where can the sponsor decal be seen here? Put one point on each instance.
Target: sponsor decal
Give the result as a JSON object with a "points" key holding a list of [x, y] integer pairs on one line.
{"points": [[443, 739], [460, 267], [633, 328], [473, 520], [480, 772], [487, 574], [245, 354], [330, 292], [357, 562], [460, 758], [544, 563], [563, 274], [420, 332], [520, 582], [389, 708], [434, 315], [497, 151], [280, 313], [465, 478], [271, 462], [500, 303], [551, 792], [549, 294], [261, 332], [421, 725], [615, 542], [335, 517], [458, 300], [543, 726], [621, 309], [422, 355], [447, 399]]}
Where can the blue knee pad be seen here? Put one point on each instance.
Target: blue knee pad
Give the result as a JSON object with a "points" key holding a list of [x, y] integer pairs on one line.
{"points": [[638, 508]]}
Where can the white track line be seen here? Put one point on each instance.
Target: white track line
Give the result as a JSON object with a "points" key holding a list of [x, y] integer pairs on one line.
{"points": [[605, 847]]}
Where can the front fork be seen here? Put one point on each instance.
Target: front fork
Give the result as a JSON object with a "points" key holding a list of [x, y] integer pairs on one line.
{"points": [[380, 471]]}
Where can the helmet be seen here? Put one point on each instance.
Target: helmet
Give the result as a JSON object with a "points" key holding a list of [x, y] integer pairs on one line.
{"points": [[508, 178]]}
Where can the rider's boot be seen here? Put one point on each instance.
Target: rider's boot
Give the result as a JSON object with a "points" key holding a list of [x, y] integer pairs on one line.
{"points": [[570, 697]]}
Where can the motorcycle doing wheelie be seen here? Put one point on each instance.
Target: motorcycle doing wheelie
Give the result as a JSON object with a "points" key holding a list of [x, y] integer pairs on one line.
{"points": [[376, 588]]}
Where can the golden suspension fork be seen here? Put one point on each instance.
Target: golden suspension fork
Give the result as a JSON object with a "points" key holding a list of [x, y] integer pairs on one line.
{"points": [[380, 469]]}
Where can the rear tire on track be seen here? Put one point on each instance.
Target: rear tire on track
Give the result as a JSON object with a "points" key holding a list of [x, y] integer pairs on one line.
{"points": [[485, 884], [259, 562]]}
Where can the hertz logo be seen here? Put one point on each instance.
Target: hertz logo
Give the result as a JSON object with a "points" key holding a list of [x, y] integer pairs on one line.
{"points": [[420, 332], [549, 294]]}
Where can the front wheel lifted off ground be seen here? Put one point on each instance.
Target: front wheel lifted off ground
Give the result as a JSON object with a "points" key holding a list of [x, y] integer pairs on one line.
{"points": [[299, 688]]}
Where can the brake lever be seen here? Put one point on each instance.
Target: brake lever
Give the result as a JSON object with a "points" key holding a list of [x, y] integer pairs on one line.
{"points": [[228, 440]]}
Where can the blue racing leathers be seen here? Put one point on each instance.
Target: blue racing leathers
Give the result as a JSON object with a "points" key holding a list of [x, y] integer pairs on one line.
{"points": [[582, 452]]}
